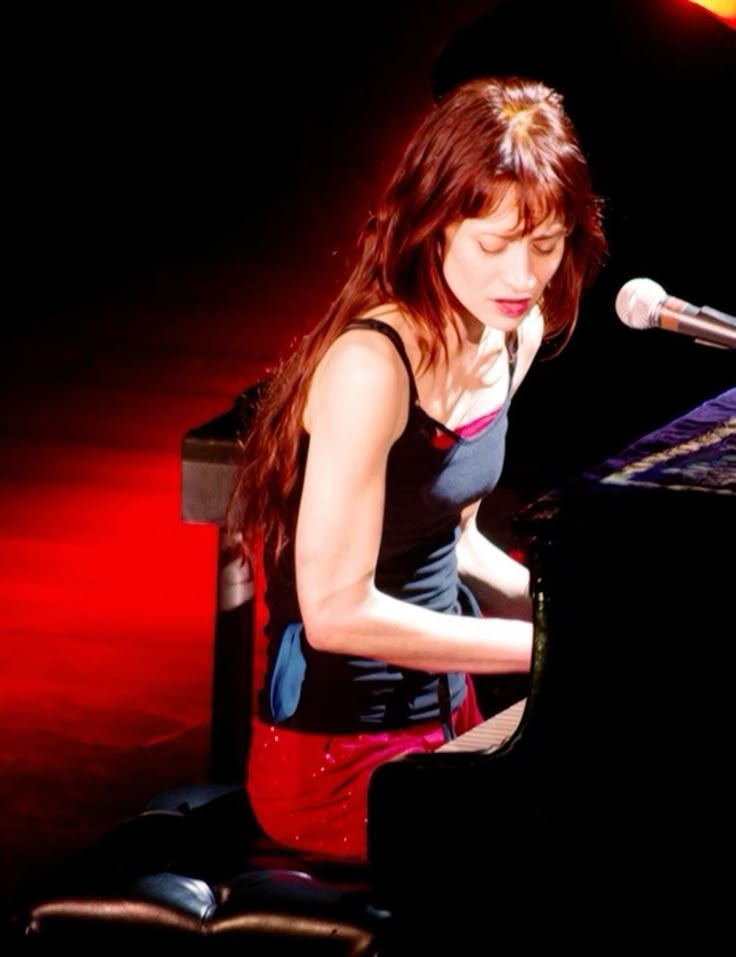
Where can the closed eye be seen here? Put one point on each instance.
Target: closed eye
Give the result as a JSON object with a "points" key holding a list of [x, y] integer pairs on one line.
{"points": [[546, 249], [496, 249]]}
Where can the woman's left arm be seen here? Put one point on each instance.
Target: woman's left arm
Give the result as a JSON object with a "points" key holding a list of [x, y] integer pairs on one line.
{"points": [[498, 581]]}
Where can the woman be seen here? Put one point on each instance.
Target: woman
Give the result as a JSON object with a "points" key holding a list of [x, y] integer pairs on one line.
{"points": [[378, 438]]}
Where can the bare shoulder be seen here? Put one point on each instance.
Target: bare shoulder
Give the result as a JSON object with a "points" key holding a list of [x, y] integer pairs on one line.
{"points": [[361, 373]]}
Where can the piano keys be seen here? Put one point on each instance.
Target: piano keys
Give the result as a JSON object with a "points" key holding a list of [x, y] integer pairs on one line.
{"points": [[491, 734]]}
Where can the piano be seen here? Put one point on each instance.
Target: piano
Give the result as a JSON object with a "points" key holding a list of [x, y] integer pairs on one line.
{"points": [[612, 793], [605, 792]]}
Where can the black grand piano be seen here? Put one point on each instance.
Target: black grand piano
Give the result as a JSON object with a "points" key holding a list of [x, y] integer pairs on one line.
{"points": [[613, 796], [608, 793]]}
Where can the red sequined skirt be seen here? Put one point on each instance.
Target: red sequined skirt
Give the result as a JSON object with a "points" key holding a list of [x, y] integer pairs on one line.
{"points": [[310, 791]]}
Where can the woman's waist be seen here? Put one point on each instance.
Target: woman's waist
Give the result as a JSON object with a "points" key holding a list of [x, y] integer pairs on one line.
{"points": [[341, 695]]}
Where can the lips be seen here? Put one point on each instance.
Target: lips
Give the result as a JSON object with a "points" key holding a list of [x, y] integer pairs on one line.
{"points": [[512, 307]]}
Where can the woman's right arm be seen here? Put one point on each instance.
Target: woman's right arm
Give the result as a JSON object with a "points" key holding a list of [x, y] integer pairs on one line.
{"points": [[357, 407]]}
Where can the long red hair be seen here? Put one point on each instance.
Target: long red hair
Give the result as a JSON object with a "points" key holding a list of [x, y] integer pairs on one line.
{"points": [[478, 140]]}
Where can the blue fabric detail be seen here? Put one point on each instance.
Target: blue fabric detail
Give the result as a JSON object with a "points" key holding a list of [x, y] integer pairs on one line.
{"points": [[288, 673]]}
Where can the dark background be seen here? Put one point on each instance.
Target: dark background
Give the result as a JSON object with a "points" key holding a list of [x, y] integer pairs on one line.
{"points": [[150, 147]]}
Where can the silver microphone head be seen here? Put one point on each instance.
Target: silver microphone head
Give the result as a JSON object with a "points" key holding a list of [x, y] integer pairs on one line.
{"points": [[638, 302]]}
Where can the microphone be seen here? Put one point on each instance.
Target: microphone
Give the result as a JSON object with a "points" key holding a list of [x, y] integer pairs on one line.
{"points": [[643, 304]]}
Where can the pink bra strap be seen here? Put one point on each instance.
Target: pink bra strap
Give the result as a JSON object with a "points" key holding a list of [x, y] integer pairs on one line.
{"points": [[469, 429]]}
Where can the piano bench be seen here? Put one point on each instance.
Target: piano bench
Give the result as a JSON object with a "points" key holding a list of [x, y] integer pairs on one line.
{"points": [[190, 874]]}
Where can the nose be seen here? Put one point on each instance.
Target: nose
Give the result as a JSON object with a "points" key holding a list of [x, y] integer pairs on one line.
{"points": [[519, 272]]}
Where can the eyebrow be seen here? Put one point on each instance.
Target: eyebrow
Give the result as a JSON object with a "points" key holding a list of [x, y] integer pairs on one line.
{"points": [[552, 233]]}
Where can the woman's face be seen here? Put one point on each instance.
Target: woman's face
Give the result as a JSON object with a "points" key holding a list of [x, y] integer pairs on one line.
{"points": [[495, 271]]}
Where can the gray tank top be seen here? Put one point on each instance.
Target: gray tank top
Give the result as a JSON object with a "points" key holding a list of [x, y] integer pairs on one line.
{"points": [[432, 474]]}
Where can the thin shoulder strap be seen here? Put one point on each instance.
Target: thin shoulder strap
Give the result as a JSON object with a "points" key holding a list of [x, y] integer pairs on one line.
{"points": [[393, 335]]}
